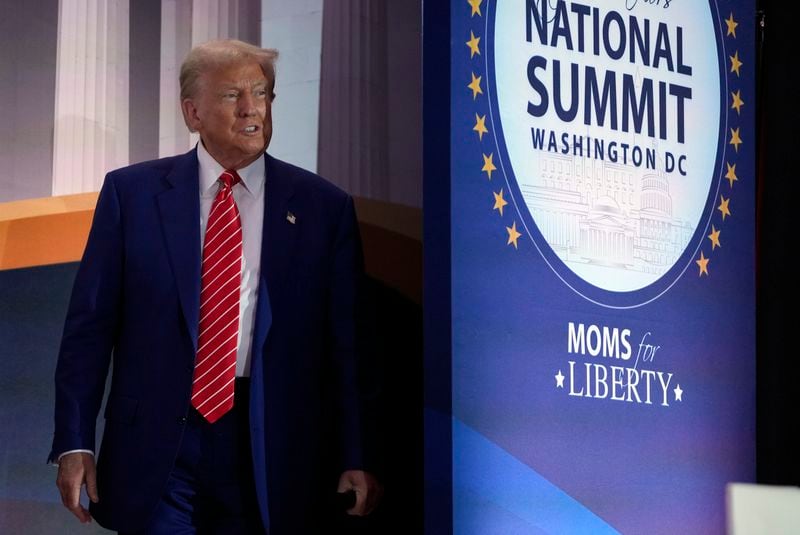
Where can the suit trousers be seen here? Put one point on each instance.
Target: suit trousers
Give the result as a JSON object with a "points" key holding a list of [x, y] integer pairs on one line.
{"points": [[211, 488]]}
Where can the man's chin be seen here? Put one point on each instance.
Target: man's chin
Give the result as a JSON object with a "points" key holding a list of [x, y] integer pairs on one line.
{"points": [[250, 154], [255, 147], [252, 150]]}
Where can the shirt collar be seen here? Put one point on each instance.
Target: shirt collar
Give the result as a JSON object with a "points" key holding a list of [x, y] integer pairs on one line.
{"points": [[210, 170]]}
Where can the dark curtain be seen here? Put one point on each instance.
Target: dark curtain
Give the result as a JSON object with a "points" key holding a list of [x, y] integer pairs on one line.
{"points": [[778, 440]]}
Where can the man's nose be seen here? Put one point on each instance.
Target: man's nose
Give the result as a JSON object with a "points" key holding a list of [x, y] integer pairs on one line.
{"points": [[247, 105]]}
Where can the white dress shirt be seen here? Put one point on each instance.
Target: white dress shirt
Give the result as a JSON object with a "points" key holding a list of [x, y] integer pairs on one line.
{"points": [[249, 197]]}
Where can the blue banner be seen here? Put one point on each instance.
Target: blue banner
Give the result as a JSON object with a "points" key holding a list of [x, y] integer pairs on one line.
{"points": [[602, 218]]}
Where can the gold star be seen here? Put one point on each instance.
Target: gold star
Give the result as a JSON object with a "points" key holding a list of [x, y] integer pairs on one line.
{"points": [[703, 263], [732, 24], [737, 101], [473, 44], [513, 235], [475, 85], [723, 206], [488, 165], [735, 63], [714, 237], [735, 139], [731, 174], [499, 202], [480, 126], [476, 7]]}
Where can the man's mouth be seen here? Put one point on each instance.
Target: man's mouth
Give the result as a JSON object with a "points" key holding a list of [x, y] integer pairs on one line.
{"points": [[252, 129]]}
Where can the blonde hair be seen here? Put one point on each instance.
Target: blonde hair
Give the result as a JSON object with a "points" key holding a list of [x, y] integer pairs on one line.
{"points": [[215, 54]]}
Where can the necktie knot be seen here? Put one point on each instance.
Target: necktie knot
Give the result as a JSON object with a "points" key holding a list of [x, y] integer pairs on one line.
{"points": [[230, 178]]}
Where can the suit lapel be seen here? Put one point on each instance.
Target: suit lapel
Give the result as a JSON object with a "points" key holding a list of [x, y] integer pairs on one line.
{"points": [[277, 242], [277, 239], [179, 207]]}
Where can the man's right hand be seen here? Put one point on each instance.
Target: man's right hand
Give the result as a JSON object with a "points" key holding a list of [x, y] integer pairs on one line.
{"points": [[75, 470]]}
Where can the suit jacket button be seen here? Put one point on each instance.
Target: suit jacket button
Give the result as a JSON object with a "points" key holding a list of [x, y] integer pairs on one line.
{"points": [[182, 420]]}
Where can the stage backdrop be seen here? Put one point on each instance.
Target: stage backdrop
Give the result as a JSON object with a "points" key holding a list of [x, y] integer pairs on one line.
{"points": [[601, 217]]}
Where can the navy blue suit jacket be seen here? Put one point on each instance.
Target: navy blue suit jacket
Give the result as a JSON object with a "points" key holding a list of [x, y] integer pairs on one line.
{"points": [[136, 295]]}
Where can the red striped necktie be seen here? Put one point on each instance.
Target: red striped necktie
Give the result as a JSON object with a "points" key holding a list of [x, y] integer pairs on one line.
{"points": [[221, 280]]}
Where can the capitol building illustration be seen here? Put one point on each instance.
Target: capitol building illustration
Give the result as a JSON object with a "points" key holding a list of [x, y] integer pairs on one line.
{"points": [[596, 212]]}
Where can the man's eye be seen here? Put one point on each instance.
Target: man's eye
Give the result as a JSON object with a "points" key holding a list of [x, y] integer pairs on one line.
{"points": [[260, 92], [229, 96]]}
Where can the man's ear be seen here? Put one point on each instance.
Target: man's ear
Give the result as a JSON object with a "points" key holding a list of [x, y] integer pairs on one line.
{"points": [[190, 115]]}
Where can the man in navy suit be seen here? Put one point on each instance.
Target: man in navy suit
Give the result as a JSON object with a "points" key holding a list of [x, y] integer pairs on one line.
{"points": [[290, 433]]}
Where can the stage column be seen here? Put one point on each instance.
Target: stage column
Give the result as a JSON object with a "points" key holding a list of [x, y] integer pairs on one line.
{"points": [[91, 107], [353, 144]]}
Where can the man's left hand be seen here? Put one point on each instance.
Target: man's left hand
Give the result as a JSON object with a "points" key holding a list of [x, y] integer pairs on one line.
{"points": [[368, 491]]}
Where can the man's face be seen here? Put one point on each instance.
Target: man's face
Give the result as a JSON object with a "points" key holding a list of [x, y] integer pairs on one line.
{"points": [[232, 111]]}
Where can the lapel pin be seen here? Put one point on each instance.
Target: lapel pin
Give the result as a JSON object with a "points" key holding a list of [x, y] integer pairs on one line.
{"points": [[290, 218]]}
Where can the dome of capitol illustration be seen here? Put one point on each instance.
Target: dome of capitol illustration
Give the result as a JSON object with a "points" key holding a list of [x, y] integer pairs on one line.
{"points": [[655, 195]]}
